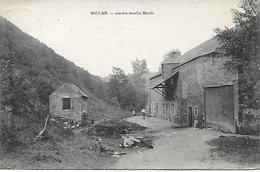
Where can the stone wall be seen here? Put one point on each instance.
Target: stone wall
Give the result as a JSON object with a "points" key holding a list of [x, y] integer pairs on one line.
{"points": [[167, 69], [188, 89], [194, 76], [78, 103], [156, 99]]}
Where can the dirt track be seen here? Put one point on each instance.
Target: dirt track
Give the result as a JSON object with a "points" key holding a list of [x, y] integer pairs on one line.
{"points": [[176, 149]]}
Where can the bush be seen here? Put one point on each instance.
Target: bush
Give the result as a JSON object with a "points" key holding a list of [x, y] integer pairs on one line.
{"points": [[249, 129], [113, 128], [9, 138], [56, 131]]}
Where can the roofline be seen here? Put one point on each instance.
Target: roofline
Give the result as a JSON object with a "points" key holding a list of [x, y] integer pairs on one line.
{"points": [[220, 85], [71, 88], [168, 62], [156, 76], [170, 76], [167, 78], [194, 59], [181, 64], [70, 85]]}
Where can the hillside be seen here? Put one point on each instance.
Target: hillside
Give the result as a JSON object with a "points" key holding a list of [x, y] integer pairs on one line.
{"points": [[30, 72]]}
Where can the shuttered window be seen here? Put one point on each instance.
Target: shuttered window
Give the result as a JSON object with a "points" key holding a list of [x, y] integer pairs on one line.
{"points": [[66, 103]]}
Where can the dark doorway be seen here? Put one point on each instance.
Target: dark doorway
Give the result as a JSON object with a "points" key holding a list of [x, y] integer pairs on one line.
{"points": [[168, 113], [190, 116]]}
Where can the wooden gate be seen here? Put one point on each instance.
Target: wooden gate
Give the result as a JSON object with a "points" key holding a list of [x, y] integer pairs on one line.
{"points": [[219, 107]]}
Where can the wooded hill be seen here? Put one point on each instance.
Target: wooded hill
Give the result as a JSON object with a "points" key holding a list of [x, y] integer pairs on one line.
{"points": [[30, 72]]}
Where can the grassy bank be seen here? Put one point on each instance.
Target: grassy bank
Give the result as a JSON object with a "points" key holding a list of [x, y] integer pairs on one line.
{"points": [[76, 151], [236, 149]]}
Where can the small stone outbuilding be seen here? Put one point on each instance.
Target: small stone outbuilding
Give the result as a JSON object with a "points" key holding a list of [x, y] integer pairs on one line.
{"points": [[68, 101]]}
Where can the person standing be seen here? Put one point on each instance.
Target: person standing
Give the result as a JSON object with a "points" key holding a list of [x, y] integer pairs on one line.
{"points": [[133, 112], [143, 112], [196, 120]]}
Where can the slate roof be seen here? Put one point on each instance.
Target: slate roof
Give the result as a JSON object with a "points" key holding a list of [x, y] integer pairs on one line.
{"points": [[204, 48]]}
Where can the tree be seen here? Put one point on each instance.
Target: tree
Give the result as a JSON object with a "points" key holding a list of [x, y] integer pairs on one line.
{"points": [[17, 92], [242, 44], [116, 84], [17, 99], [139, 66], [242, 41], [128, 91], [139, 69], [138, 81]]}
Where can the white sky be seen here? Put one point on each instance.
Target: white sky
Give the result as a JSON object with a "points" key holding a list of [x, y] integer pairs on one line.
{"points": [[97, 43]]}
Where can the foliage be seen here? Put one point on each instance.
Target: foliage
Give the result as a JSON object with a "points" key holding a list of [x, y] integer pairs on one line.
{"points": [[30, 72], [138, 80], [116, 84], [242, 41], [249, 129], [242, 44], [235, 149], [128, 91], [21, 102], [139, 66], [113, 128], [139, 69]]}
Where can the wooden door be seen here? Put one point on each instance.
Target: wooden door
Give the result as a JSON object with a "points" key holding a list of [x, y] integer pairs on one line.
{"points": [[219, 107], [168, 117], [172, 111]]}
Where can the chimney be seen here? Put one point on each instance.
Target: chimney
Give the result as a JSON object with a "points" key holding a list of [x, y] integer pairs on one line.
{"points": [[174, 54], [170, 61]]}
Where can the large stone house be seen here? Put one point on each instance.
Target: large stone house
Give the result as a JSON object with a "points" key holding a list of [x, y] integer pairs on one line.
{"points": [[196, 86], [68, 101]]}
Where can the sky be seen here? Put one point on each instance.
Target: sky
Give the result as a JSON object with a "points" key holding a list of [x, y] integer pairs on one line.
{"points": [[99, 42]]}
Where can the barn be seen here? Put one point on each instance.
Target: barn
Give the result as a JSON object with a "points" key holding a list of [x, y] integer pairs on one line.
{"points": [[68, 101]]}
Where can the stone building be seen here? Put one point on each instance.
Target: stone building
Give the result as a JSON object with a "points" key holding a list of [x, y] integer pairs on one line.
{"points": [[68, 101], [196, 86]]}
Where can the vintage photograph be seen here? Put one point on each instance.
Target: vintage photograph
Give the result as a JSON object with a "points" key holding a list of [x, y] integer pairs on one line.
{"points": [[129, 84]]}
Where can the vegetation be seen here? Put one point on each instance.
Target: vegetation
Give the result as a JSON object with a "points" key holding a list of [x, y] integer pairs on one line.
{"points": [[113, 128], [242, 44], [236, 149], [30, 72], [128, 92]]}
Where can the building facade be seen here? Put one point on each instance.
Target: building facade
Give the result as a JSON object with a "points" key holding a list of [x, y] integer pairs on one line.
{"points": [[68, 101], [196, 86]]}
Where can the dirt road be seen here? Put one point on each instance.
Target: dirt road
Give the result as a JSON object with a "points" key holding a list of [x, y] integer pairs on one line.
{"points": [[184, 148]]}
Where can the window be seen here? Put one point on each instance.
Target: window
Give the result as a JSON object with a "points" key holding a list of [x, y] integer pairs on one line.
{"points": [[172, 81], [66, 103], [196, 111]]}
